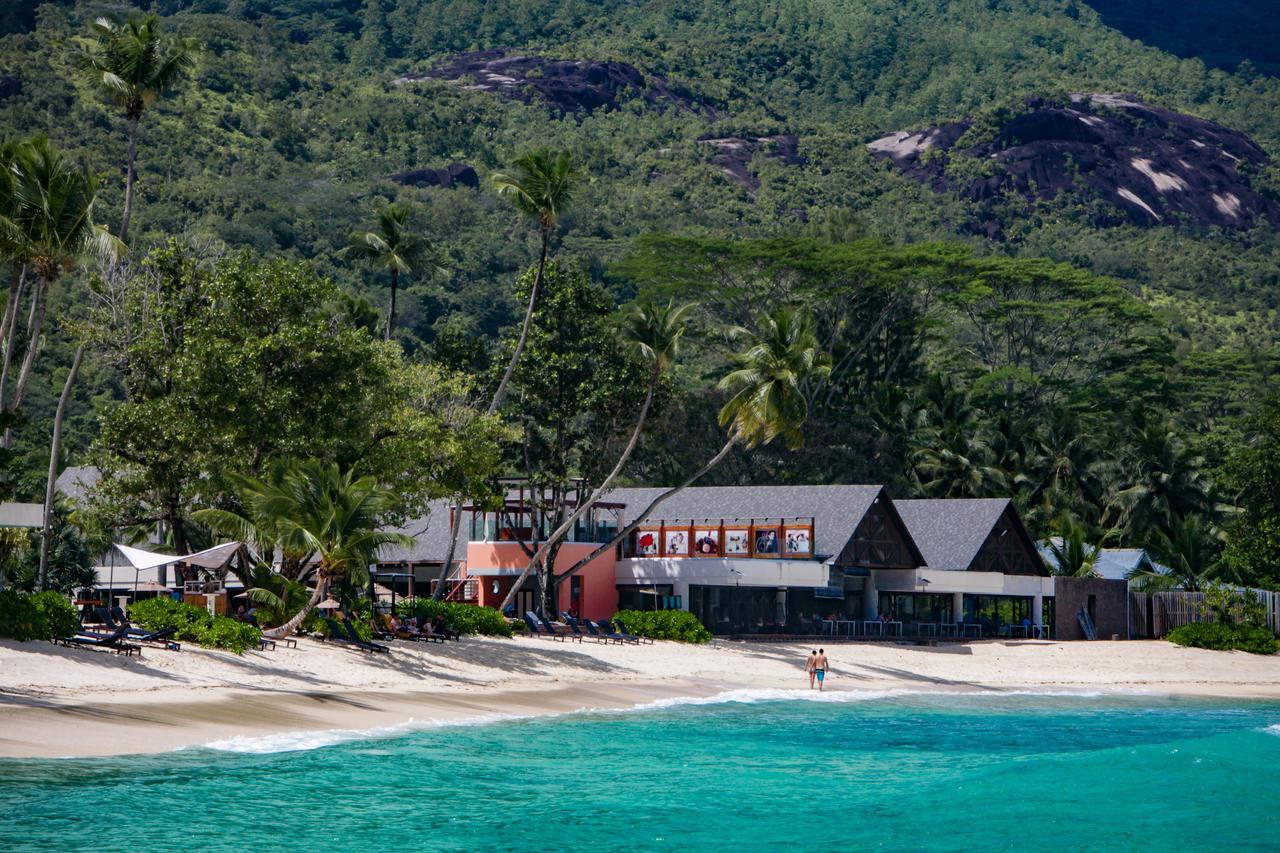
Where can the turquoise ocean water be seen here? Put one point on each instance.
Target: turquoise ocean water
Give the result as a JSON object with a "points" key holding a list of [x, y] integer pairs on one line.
{"points": [[751, 771]]}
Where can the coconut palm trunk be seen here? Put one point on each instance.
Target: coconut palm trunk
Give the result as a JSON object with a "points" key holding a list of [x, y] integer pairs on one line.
{"points": [[391, 311], [630, 528], [655, 373], [55, 447], [447, 569], [501, 390], [321, 590], [16, 288], [130, 173]]}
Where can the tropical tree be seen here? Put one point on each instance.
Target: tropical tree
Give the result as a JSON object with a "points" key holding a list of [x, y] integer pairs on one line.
{"points": [[653, 330], [1190, 553], [392, 245], [133, 64], [768, 402], [1161, 481], [540, 186], [47, 228], [332, 515], [55, 449], [1072, 554], [952, 452]]}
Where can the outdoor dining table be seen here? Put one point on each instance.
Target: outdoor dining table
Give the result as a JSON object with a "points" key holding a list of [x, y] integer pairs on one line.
{"points": [[949, 629], [873, 623], [973, 626], [846, 625], [828, 626], [930, 628], [897, 626]]}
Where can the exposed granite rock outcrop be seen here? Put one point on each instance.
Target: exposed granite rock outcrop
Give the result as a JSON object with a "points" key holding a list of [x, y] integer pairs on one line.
{"points": [[1153, 164], [734, 153], [564, 85], [453, 175]]}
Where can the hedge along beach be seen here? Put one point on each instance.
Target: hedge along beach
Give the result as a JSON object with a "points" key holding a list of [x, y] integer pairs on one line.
{"points": [[64, 702]]}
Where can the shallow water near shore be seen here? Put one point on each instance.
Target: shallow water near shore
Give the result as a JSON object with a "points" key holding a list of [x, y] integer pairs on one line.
{"points": [[747, 770]]}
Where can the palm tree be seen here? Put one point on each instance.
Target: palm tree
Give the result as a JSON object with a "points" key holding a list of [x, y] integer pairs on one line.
{"points": [[1163, 482], [768, 403], [55, 449], [327, 513], [541, 186], [1072, 555], [133, 65], [654, 331], [952, 450], [46, 226], [261, 519], [1190, 554], [392, 245]]}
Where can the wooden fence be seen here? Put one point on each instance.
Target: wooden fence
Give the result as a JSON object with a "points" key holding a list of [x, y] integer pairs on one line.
{"points": [[1156, 614]]}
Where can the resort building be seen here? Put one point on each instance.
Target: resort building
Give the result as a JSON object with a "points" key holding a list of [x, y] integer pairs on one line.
{"points": [[761, 560]]}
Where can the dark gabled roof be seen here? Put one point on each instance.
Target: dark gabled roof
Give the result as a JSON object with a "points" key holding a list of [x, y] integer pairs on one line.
{"points": [[836, 510], [76, 481], [430, 538], [951, 532]]}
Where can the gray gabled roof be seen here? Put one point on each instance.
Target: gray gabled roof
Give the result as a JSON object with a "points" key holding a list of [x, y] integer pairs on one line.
{"points": [[430, 538], [950, 532], [76, 481], [836, 510]]}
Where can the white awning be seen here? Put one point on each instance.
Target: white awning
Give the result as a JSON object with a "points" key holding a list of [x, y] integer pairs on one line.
{"points": [[210, 558]]}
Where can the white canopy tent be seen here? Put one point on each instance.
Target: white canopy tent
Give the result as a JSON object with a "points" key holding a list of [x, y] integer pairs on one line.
{"points": [[150, 562]]}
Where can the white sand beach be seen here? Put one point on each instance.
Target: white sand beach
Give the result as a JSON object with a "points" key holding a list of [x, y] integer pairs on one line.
{"points": [[64, 702]]}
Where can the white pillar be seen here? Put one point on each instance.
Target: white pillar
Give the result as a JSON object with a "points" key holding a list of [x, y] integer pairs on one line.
{"points": [[1037, 609], [957, 606], [870, 598]]}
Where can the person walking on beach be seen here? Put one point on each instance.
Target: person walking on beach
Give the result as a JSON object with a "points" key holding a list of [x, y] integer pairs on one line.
{"points": [[809, 665], [820, 667]]}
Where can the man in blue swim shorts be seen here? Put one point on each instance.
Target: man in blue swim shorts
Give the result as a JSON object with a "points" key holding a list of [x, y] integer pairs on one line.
{"points": [[820, 667]]}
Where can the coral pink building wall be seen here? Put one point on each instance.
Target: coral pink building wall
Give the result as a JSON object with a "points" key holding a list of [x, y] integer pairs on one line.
{"points": [[599, 583]]}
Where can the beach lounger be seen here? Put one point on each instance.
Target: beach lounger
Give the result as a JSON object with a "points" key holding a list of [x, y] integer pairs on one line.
{"points": [[537, 630], [609, 631], [557, 632], [355, 638], [429, 633], [161, 638], [336, 633], [626, 634], [114, 641], [576, 628], [605, 636]]}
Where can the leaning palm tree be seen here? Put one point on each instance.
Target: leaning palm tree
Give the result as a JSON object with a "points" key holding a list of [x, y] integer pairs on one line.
{"points": [[332, 515], [768, 402], [260, 520], [48, 228], [653, 331], [394, 246], [133, 65], [541, 186]]}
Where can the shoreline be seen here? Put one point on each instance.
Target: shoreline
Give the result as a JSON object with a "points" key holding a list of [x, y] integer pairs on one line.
{"points": [[80, 703]]}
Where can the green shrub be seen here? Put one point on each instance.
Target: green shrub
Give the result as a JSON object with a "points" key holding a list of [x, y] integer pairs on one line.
{"points": [[194, 624], [665, 625], [1225, 636], [38, 616], [461, 618], [59, 618]]}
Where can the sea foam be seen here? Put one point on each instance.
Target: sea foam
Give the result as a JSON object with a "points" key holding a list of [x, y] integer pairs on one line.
{"points": [[296, 741]]}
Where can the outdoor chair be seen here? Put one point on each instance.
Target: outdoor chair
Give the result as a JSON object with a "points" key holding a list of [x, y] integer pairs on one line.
{"points": [[355, 638], [603, 636], [537, 630], [114, 641], [622, 629], [142, 635], [607, 630], [336, 633], [576, 628], [555, 632], [429, 633]]}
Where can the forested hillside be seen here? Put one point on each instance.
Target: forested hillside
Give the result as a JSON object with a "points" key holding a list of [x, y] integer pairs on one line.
{"points": [[1061, 356]]}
